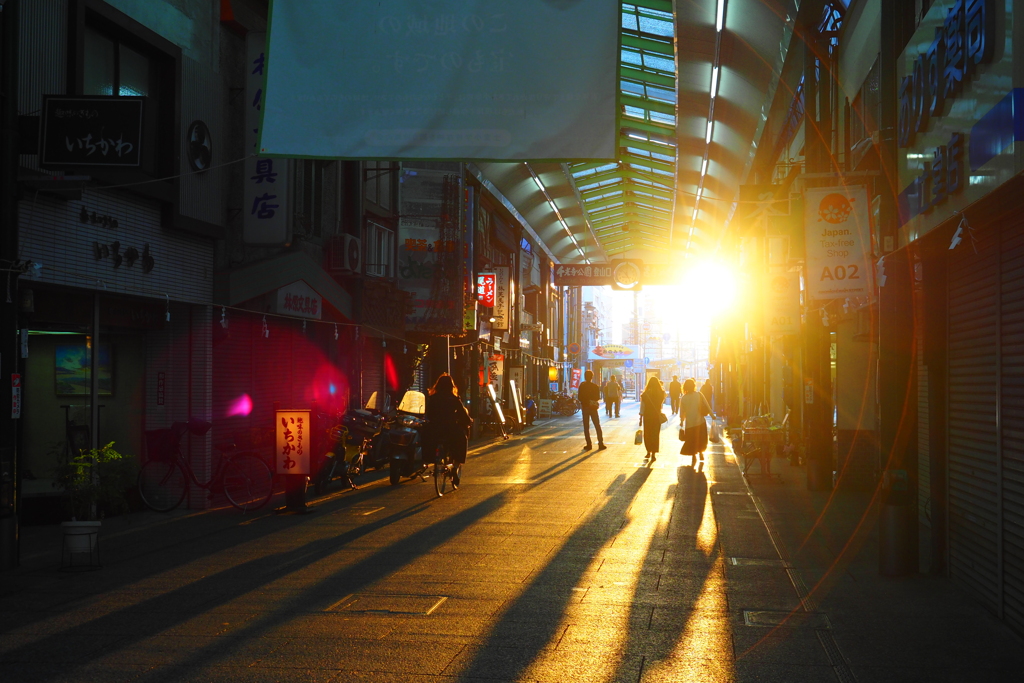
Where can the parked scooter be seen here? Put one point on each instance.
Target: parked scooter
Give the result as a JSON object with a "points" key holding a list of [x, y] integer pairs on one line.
{"points": [[401, 439], [364, 427]]}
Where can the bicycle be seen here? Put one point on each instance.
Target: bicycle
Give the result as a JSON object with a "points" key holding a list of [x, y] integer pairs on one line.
{"points": [[335, 465], [245, 478], [445, 471]]}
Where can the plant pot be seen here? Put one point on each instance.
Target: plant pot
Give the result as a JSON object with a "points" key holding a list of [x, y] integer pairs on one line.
{"points": [[80, 549]]}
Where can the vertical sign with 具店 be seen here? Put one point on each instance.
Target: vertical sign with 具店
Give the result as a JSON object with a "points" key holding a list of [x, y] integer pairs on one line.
{"points": [[837, 236], [502, 298], [265, 179], [293, 442]]}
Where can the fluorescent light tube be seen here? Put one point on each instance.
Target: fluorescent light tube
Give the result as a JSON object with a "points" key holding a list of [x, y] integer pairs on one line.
{"points": [[714, 81], [707, 138], [720, 17]]}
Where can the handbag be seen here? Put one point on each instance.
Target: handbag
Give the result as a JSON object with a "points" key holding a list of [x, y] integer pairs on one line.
{"points": [[638, 438], [682, 434], [716, 432], [664, 418]]}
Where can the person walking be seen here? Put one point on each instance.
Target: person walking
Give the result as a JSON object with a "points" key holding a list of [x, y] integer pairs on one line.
{"points": [[590, 400], [674, 391], [613, 396], [651, 417], [448, 423], [692, 409], [708, 390], [604, 395]]}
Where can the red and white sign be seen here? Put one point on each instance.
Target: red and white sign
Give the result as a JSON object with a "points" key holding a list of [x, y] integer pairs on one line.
{"points": [[574, 383], [15, 397], [293, 442], [485, 287], [496, 371], [300, 300]]}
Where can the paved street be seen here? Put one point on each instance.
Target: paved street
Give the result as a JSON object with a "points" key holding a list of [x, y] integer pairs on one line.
{"points": [[550, 563]]}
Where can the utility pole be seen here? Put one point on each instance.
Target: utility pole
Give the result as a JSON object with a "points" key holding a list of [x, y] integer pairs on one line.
{"points": [[9, 347]]}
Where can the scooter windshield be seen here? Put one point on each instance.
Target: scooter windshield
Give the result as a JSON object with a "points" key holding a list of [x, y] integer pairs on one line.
{"points": [[413, 402]]}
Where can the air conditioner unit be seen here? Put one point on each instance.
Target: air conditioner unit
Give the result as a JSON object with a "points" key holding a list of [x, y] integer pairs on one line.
{"points": [[352, 254]]}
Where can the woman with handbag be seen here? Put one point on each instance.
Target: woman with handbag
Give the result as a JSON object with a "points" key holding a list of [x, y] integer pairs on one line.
{"points": [[651, 417], [693, 431]]}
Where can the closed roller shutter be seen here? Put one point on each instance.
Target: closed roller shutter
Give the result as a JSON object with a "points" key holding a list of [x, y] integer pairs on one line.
{"points": [[1012, 390], [923, 441], [232, 377], [973, 365], [372, 368]]}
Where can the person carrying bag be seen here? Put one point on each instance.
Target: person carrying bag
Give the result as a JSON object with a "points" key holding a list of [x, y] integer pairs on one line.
{"points": [[651, 416], [693, 407]]}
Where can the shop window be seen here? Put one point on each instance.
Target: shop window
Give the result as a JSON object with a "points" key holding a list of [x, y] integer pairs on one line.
{"points": [[114, 56], [865, 108], [316, 197], [380, 250], [378, 183]]}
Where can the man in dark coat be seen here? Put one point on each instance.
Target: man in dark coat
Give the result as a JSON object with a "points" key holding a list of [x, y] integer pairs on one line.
{"points": [[590, 400]]}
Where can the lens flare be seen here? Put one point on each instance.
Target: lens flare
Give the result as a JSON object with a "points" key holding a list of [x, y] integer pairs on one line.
{"points": [[391, 372], [240, 406]]}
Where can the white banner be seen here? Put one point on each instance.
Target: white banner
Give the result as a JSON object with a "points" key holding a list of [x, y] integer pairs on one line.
{"points": [[503, 293], [446, 79], [265, 181], [837, 235]]}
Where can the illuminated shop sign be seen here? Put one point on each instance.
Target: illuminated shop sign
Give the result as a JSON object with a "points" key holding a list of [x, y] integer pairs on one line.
{"points": [[485, 286], [938, 75], [964, 41]]}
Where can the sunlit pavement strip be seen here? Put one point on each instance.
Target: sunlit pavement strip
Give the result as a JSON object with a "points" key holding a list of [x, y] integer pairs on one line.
{"points": [[549, 563]]}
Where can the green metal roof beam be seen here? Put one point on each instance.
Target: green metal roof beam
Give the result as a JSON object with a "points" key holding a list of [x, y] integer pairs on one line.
{"points": [[659, 47], [652, 77], [648, 104]]}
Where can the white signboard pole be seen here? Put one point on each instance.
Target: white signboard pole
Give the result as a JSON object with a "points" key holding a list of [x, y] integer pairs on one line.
{"points": [[838, 242]]}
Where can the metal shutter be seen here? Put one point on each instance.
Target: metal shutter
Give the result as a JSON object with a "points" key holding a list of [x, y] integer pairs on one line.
{"points": [[232, 375], [973, 369], [1012, 427], [924, 492], [372, 368]]}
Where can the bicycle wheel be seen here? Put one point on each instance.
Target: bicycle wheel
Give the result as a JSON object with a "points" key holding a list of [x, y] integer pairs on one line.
{"points": [[248, 482], [162, 484], [442, 472]]}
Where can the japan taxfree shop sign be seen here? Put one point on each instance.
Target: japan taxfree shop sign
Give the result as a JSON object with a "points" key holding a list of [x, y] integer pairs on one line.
{"points": [[445, 79], [837, 236]]}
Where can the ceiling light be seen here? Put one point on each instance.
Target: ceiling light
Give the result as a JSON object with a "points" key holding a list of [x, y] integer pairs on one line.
{"points": [[714, 81], [539, 185], [720, 18], [707, 138], [704, 167]]}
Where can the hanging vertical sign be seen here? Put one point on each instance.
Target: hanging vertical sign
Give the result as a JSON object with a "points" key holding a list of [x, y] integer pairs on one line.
{"points": [[782, 312], [265, 181], [293, 436], [496, 371], [468, 301], [485, 284], [502, 298], [838, 242], [15, 397], [574, 383]]}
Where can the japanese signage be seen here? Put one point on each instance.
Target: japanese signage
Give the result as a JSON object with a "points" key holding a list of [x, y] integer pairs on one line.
{"points": [[838, 242], [574, 381], [430, 256], [485, 284], [293, 442], [782, 303], [496, 371], [503, 293], [92, 131], [958, 112], [300, 300], [965, 40], [265, 180], [128, 257], [597, 275], [615, 351], [468, 302], [15, 397]]}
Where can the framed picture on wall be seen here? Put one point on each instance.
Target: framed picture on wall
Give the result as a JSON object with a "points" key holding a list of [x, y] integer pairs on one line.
{"points": [[72, 366]]}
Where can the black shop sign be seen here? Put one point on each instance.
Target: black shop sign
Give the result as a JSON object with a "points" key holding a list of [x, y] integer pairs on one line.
{"points": [[91, 131]]}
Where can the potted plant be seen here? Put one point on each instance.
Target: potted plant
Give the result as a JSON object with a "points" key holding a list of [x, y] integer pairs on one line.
{"points": [[95, 482]]}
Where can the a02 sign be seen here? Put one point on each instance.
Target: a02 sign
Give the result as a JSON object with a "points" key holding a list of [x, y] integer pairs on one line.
{"points": [[838, 239]]}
